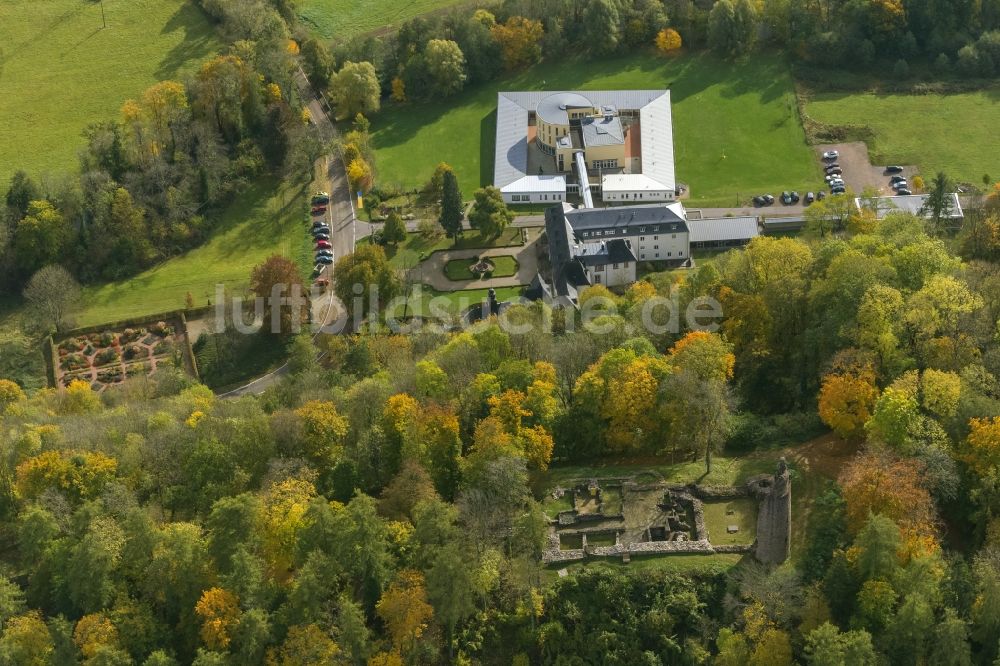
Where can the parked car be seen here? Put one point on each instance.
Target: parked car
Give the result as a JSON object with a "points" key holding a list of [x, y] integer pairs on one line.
{"points": [[896, 179], [324, 253], [832, 165], [786, 197], [837, 182], [758, 201], [833, 176], [319, 210], [810, 197], [318, 231], [834, 172], [320, 237], [795, 197], [900, 184], [324, 244], [768, 199], [324, 260], [903, 192], [318, 270], [837, 190], [894, 169], [820, 195], [831, 155]]}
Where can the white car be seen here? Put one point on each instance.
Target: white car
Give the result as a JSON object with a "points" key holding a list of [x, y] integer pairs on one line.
{"points": [[836, 182], [900, 185], [831, 155]]}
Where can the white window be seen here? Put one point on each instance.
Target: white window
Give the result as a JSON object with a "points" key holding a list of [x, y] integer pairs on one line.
{"points": [[599, 267], [673, 235], [642, 229], [656, 247], [615, 266], [642, 238]]}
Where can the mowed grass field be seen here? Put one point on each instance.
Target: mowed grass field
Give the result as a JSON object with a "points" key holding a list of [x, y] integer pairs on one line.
{"points": [[736, 127], [951, 133], [266, 219], [60, 70], [340, 19]]}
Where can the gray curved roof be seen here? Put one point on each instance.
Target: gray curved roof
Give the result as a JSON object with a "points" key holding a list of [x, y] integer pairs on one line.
{"points": [[553, 108]]}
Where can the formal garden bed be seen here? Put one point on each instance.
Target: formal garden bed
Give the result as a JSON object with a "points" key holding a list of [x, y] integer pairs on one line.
{"points": [[477, 268], [105, 358]]}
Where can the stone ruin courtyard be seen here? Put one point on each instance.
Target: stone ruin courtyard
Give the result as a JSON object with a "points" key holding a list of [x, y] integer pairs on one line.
{"points": [[644, 515]]}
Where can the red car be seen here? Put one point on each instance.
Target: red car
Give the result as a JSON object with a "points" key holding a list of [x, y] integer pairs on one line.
{"points": [[323, 245]]}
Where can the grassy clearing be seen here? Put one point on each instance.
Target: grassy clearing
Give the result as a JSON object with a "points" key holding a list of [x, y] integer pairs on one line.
{"points": [[744, 517], [458, 269], [680, 563], [266, 219], [951, 133], [736, 127], [61, 70], [340, 19]]}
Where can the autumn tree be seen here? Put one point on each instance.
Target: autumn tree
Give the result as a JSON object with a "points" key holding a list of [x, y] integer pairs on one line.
{"points": [[846, 401], [26, 641], [405, 611], [668, 40], [359, 174], [93, 632], [520, 41], [324, 433], [305, 645], [879, 483], [355, 89], [219, 611], [279, 283], [489, 213]]}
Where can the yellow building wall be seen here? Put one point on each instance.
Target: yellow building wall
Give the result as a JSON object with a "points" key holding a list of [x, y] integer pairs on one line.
{"points": [[613, 152]]}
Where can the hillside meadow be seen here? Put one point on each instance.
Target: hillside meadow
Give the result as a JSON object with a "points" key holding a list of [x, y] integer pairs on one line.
{"points": [[340, 19], [61, 69], [951, 133], [736, 128]]}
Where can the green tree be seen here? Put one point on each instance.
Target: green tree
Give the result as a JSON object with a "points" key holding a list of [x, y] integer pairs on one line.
{"points": [[21, 193], [40, 236], [880, 542], [452, 213], [489, 213], [450, 590], [950, 641], [938, 203], [446, 66], [355, 89], [366, 276], [353, 635], [828, 646], [394, 230], [601, 31]]}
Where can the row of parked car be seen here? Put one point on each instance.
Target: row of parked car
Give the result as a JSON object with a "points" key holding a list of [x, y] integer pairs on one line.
{"points": [[788, 198], [834, 173], [897, 180], [321, 233]]}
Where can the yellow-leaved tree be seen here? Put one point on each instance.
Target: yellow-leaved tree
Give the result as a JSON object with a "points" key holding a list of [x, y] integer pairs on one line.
{"points": [[219, 611], [668, 40], [405, 611]]}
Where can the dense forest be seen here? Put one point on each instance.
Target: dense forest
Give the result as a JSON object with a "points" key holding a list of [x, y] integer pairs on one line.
{"points": [[383, 506]]}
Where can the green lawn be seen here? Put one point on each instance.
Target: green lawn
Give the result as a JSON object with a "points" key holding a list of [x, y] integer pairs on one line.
{"points": [[341, 19], [736, 127], [419, 303], [679, 563], [458, 269], [266, 219], [951, 133], [60, 70], [415, 248], [744, 516]]}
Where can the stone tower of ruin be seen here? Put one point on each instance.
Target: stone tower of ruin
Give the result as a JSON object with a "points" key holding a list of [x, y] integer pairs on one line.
{"points": [[774, 522]]}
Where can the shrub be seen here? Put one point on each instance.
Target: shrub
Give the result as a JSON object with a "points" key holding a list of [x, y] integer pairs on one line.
{"points": [[106, 356], [901, 70], [162, 329]]}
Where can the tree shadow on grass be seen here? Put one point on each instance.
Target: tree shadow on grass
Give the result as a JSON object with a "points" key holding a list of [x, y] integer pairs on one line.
{"points": [[199, 40], [487, 147]]}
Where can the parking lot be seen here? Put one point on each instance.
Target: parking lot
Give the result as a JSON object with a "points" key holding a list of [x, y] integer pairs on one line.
{"points": [[859, 173]]}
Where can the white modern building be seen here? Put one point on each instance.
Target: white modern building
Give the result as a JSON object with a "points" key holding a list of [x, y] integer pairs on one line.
{"points": [[622, 139]]}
